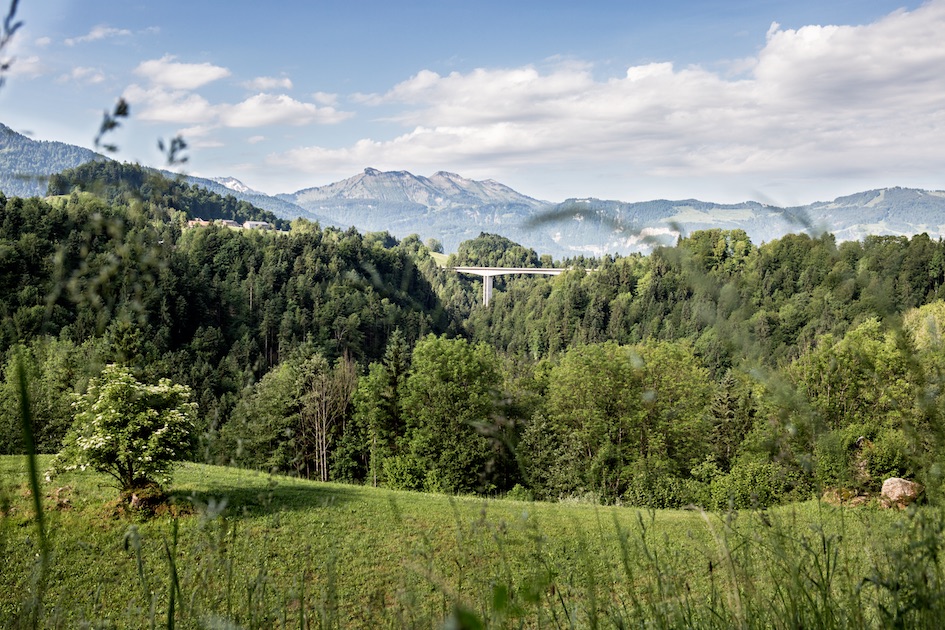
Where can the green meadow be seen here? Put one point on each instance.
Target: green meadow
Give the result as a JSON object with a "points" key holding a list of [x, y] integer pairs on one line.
{"points": [[242, 549]]}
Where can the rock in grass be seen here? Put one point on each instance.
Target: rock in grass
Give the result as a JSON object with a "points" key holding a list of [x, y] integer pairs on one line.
{"points": [[899, 492], [844, 496]]}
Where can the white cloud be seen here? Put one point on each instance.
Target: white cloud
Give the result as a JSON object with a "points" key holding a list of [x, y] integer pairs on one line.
{"points": [[265, 84], [157, 104], [171, 97], [42, 42], [272, 109], [85, 75], [197, 131], [816, 102], [20, 53], [200, 137], [255, 139], [30, 66], [166, 72], [203, 143], [325, 98], [847, 65], [98, 33]]}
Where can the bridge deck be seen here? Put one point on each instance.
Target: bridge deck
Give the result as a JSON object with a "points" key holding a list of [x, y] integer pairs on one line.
{"points": [[503, 271], [488, 273]]}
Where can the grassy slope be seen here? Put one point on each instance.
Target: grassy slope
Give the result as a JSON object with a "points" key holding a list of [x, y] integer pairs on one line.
{"points": [[258, 550], [439, 258]]}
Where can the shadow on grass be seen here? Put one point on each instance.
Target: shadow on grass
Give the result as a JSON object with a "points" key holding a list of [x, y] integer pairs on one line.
{"points": [[254, 494]]}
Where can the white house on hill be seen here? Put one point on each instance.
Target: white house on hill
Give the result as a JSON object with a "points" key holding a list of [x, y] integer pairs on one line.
{"points": [[256, 225]]}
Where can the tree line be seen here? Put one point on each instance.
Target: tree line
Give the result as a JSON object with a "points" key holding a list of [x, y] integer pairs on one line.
{"points": [[711, 372]]}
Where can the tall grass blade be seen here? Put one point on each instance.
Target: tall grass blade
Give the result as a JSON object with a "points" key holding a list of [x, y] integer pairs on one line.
{"points": [[174, 586], [26, 420]]}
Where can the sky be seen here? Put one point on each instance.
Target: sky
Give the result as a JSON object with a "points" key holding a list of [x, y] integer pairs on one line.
{"points": [[782, 102]]}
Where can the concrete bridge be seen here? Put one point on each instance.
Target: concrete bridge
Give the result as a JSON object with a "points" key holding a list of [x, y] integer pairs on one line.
{"points": [[488, 273]]}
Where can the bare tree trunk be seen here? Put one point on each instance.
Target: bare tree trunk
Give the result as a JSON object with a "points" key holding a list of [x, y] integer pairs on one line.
{"points": [[326, 394]]}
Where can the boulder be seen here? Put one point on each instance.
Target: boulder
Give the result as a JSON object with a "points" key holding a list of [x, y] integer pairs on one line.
{"points": [[844, 496], [900, 492]]}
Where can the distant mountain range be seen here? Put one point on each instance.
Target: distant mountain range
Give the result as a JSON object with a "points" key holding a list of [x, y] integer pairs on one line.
{"points": [[452, 209], [444, 206]]}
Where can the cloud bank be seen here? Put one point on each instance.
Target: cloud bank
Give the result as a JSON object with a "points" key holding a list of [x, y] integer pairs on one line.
{"points": [[816, 102], [171, 96]]}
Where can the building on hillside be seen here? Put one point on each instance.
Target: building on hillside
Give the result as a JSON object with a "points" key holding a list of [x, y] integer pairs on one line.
{"points": [[228, 223], [198, 223], [256, 225]]}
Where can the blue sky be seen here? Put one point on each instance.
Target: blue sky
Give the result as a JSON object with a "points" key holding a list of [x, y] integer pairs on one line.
{"points": [[784, 102]]}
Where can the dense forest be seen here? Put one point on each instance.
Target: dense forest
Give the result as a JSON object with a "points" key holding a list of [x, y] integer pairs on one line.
{"points": [[117, 182], [717, 371]]}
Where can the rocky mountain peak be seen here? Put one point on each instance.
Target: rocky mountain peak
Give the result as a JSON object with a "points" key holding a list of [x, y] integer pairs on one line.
{"points": [[235, 185]]}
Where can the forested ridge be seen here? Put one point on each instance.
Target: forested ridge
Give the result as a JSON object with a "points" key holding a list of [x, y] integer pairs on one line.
{"points": [[714, 372], [117, 182], [25, 163], [87, 282]]}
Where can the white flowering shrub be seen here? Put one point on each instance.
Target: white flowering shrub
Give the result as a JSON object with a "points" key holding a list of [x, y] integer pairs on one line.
{"points": [[129, 430]]}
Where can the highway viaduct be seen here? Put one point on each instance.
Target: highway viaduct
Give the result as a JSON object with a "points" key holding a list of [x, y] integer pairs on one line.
{"points": [[488, 273]]}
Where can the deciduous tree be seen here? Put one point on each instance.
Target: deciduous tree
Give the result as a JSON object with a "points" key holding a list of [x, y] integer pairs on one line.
{"points": [[448, 404], [129, 430]]}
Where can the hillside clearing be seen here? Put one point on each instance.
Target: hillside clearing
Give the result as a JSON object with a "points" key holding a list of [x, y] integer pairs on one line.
{"points": [[260, 550]]}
